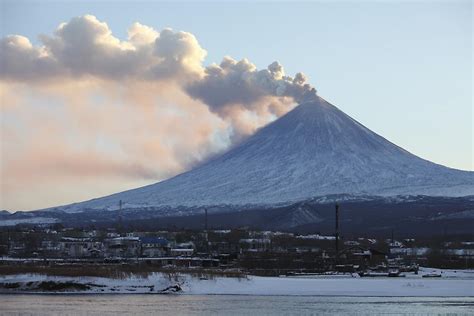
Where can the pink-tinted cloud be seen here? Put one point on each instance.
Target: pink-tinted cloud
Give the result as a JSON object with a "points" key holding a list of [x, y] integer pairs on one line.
{"points": [[89, 113]]}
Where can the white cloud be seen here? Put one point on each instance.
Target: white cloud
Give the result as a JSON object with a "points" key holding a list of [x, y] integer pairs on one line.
{"points": [[86, 105]]}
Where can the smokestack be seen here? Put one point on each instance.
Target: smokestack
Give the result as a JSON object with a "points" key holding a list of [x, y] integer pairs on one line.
{"points": [[337, 232]]}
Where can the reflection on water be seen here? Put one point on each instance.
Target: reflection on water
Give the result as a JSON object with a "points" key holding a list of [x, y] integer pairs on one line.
{"points": [[228, 304]]}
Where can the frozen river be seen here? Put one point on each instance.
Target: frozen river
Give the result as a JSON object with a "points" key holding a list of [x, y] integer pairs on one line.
{"points": [[143, 304]]}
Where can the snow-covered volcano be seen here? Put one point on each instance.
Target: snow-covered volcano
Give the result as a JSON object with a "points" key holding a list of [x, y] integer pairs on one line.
{"points": [[314, 150]]}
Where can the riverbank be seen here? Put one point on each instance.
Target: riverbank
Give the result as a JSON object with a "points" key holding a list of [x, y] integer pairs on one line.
{"points": [[452, 283]]}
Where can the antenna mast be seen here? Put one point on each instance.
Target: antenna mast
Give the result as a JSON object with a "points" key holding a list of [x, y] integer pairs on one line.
{"points": [[205, 230], [337, 232], [119, 219]]}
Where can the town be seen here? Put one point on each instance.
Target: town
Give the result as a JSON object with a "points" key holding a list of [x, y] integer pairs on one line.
{"points": [[264, 253]]}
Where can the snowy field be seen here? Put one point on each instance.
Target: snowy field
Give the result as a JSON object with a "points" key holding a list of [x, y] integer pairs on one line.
{"points": [[453, 283]]}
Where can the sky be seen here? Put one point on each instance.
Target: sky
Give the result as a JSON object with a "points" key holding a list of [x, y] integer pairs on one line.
{"points": [[101, 103]]}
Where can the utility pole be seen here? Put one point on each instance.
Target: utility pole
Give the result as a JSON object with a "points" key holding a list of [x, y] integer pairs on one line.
{"points": [[119, 218], [337, 233], [205, 230], [205, 219]]}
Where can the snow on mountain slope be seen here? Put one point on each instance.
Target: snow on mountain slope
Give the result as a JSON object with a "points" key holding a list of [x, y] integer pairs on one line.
{"points": [[314, 150]]}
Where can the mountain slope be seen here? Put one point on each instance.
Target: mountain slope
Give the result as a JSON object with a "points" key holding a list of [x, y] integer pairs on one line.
{"points": [[314, 150]]}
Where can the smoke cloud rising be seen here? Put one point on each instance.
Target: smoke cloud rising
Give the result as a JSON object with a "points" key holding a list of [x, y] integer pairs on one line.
{"points": [[239, 82], [84, 105]]}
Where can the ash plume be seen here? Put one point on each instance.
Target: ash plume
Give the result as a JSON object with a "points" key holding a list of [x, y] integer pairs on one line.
{"points": [[137, 109]]}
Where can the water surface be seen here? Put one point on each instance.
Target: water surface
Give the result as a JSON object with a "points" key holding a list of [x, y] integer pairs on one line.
{"points": [[113, 304]]}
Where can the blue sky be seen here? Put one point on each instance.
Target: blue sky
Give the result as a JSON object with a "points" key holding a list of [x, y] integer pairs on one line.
{"points": [[402, 68]]}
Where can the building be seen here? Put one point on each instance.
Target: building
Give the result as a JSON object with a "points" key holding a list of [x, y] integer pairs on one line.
{"points": [[183, 250], [255, 245], [153, 247], [80, 247], [123, 247], [362, 256]]}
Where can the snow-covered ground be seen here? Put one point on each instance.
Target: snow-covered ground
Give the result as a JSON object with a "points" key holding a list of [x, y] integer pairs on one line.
{"points": [[33, 220], [452, 283]]}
